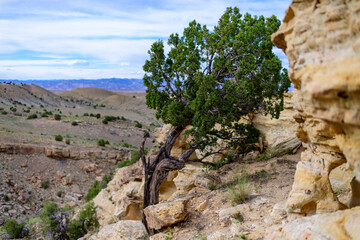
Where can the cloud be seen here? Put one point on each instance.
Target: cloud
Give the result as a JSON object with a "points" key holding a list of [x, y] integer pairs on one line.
{"points": [[78, 63], [68, 35]]}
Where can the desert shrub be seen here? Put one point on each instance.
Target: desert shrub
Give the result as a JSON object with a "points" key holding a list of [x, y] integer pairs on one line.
{"points": [[3, 112], [13, 109], [240, 190], [45, 184], [92, 115], [67, 141], [32, 116], [57, 117], [135, 156], [15, 229], [123, 118], [74, 123], [98, 115], [59, 193], [138, 125], [58, 138], [101, 142], [53, 221], [97, 187], [86, 115], [104, 121], [44, 115], [107, 142], [85, 222], [110, 118]]}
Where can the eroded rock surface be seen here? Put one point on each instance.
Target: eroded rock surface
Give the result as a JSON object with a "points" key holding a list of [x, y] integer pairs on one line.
{"points": [[322, 42]]}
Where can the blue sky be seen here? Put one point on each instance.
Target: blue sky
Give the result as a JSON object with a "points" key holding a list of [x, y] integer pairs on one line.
{"points": [[70, 39]]}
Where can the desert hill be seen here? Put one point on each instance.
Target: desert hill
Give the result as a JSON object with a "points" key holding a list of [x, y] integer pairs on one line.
{"points": [[29, 95]]}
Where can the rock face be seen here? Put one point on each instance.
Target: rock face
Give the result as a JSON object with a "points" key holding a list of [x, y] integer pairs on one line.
{"points": [[279, 134], [122, 199], [165, 214], [322, 42], [122, 230], [338, 225]]}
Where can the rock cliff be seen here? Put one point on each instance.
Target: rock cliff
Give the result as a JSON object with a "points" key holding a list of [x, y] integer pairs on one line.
{"points": [[322, 42]]}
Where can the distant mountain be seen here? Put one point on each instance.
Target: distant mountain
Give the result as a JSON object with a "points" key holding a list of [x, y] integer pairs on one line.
{"points": [[112, 84]]}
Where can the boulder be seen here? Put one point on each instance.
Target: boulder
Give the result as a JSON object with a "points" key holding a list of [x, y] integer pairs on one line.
{"points": [[122, 230], [166, 213]]}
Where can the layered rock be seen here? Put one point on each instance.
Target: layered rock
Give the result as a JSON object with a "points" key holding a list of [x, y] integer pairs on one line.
{"points": [[322, 42], [64, 152], [338, 225], [127, 229]]}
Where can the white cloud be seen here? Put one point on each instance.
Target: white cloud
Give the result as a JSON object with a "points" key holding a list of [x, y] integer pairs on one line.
{"points": [[114, 34]]}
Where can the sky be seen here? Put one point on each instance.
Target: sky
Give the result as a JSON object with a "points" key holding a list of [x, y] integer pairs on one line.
{"points": [[90, 39]]}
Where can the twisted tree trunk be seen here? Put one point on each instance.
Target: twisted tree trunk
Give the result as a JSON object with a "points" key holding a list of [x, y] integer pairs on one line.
{"points": [[156, 170]]}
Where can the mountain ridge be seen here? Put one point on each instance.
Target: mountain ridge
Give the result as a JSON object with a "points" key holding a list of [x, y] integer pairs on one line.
{"points": [[112, 84]]}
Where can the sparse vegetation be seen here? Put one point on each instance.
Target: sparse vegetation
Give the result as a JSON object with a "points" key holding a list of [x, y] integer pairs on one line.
{"points": [[45, 184], [32, 116], [85, 222], [67, 141], [15, 229], [57, 117], [240, 189], [74, 123], [58, 138], [97, 187], [238, 216], [101, 142]]}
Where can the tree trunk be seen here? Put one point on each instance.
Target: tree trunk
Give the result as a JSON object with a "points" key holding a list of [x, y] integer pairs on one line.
{"points": [[156, 170]]}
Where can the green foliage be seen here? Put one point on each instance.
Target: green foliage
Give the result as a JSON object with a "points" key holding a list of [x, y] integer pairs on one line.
{"points": [[102, 142], [110, 118], [104, 121], [45, 184], [239, 192], [98, 115], [74, 123], [47, 217], [57, 117], [86, 115], [32, 116], [97, 187], [138, 125], [262, 174], [217, 77], [4, 112], [85, 222], [67, 141], [238, 216], [15, 229], [58, 138]]}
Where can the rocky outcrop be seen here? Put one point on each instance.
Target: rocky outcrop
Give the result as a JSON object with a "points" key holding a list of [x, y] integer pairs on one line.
{"points": [[127, 229], [122, 199], [279, 134], [64, 152], [165, 214], [322, 42], [338, 225]]}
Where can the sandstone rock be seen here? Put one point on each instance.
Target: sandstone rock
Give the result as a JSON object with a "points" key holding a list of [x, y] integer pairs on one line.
{"points": [[91, 167], [165, 214], [122, 230], [337, 225], [67, 180], [122, 199], [324, 69], [24, 198], [279, 134]]}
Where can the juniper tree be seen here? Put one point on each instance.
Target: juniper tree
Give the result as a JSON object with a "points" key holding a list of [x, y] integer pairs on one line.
{"points": [[207, 78]]}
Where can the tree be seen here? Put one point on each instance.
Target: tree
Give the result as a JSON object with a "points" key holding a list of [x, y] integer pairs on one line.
{"points": [[207, 78]]}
